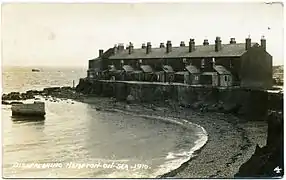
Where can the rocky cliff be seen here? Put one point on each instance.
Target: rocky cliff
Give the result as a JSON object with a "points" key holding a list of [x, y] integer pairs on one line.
{"points": [[267, 161]]}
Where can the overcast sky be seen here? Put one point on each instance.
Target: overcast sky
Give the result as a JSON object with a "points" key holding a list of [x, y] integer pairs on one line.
{"points": [[70, 34]]}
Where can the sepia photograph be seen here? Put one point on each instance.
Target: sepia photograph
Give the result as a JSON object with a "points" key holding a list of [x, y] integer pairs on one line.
{"points": [[141, 89]]}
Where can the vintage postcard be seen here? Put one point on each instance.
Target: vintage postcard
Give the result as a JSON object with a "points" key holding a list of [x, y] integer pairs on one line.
{"points": [[142, 90]]}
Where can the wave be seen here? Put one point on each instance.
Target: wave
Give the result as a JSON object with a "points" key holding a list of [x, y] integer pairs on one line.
{"points": [[175, 160]]}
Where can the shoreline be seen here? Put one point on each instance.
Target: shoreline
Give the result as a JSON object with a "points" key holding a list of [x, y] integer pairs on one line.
{"points": [[194, 153], [231, 142]]}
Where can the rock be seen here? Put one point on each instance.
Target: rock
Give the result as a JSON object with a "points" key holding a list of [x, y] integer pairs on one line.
{"points": [[204, 108], [25, 96], [33, 92], [127, 107], [51, 90], [14, 96], [231, 108], [5, 102], [4, 97], [98, 109], [213, 108], [197, 105], [130, 98], [66, 88], [265, 160], [16, 102]]}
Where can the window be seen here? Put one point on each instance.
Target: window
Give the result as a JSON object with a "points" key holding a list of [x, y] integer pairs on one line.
{"points": [[196, 77], [225, 78]]}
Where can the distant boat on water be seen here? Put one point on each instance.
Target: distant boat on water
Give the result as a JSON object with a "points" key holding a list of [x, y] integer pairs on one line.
{"points": [[35, 70]]}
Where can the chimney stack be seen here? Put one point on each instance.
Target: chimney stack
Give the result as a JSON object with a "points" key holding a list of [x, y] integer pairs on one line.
{"points": [[130, 49], [263, 42], [120, 47], [232, 41], [169, 46], [162, 45], [182, 44], [115, 49], [100, 52], [247, 43], [217, 44], [148, 49], [191, 45], [143, 46], [206, 42]]}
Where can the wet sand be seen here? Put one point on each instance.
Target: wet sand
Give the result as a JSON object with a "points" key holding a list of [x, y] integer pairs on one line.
{"points": [[231, 141]]}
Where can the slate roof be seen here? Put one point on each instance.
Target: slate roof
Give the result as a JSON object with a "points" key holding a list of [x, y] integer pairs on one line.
{"points": [[168, 69], [221, 70], [112, 68], [233, 50], [128, 68], [146, 68], [192, 69]]}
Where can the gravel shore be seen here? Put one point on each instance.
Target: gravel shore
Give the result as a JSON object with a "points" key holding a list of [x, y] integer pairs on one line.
{"points": [[231, 141]]}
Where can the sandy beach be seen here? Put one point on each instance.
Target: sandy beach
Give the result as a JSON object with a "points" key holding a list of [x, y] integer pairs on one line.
{"points": [[231, 141]]}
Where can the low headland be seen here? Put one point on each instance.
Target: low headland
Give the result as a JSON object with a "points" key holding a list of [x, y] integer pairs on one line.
{"points": [[236, 147]]}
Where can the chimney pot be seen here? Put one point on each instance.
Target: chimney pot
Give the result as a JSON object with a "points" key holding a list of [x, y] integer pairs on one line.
{"points": [[217, 44], [162, 45], [130, 49], [247, 43], [263, 42], [206, 42], [232, 41], [100, 52], [182, 44], [143, 46], [115, 49], [120, 47], [169, 46], [192, 45], [149, 47]]}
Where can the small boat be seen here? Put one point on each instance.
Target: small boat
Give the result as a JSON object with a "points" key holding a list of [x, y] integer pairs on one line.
{"points": [[35, 70], [36, 109]]}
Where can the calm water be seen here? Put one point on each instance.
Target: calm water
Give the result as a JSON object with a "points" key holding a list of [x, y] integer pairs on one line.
{"points": [[75, 140]]}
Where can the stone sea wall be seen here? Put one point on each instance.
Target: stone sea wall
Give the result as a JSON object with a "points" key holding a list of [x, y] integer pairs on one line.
{"points": [[250, 104]]}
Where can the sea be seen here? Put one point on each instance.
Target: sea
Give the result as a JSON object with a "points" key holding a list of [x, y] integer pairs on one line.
{"points": [[77, 141]]}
